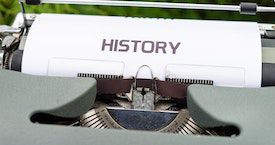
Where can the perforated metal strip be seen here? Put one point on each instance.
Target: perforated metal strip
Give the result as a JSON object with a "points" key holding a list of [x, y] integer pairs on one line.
{"points": [[190, 81], [99, 76]]}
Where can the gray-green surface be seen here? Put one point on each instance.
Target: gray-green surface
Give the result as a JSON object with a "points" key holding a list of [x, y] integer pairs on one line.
{"points": [[252, 110]]}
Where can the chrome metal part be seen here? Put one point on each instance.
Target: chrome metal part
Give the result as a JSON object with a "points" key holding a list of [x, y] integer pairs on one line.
{"points": [[8, 29], [6, 60], [22, 42], [156, 5], [144, 98], [101, 118], [8, 41], [144, 101], [1, 57], [98, 118]]}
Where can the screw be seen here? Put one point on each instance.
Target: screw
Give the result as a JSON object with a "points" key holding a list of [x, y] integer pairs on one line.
{"points": [[33, 16]]}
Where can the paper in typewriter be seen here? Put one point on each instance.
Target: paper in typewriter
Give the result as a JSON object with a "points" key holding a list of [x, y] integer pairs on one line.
{"points": [[229, 53]]}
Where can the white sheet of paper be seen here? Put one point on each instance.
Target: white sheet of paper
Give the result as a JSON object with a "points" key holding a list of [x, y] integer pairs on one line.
{"points": [[63, 45]]}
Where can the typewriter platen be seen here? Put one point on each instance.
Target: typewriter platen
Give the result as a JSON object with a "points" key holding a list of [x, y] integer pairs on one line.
{"points": [[129, 80]]}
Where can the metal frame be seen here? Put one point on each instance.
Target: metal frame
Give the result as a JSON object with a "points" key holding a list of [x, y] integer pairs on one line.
{"points": [[155, 5], [147, 5]]}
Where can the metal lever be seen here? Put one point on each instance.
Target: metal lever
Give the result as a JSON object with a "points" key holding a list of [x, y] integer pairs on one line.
{"points": [[144, 101], [243, 8]]}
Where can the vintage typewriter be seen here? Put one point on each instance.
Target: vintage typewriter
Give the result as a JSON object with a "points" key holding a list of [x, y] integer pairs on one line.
{"points": [[82, 79]]}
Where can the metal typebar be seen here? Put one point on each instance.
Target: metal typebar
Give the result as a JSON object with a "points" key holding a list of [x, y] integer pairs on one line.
{"points": [[156, 5]]}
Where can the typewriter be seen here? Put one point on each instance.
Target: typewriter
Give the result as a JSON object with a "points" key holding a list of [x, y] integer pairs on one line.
{"points": [[83, 79]]}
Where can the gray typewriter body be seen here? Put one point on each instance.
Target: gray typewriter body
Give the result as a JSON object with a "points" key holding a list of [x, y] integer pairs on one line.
{"points": [[110, 109]]}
